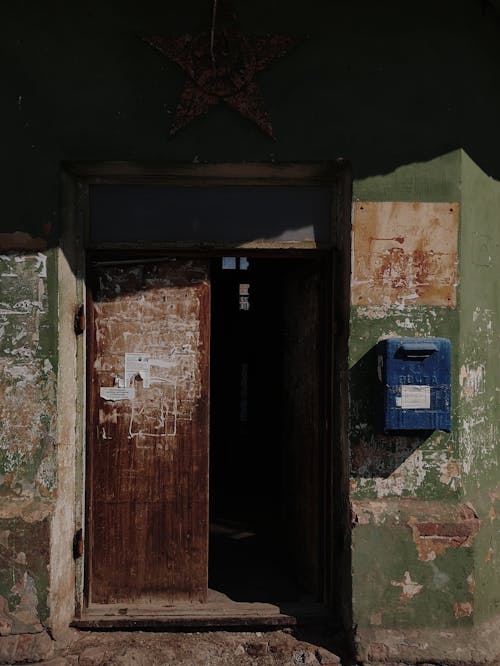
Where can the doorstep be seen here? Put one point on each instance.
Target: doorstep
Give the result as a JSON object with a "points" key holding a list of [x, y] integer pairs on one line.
{"points": [[215, 613]]}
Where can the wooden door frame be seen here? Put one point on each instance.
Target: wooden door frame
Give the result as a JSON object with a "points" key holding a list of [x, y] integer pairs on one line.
{"points": [[335, 175]]}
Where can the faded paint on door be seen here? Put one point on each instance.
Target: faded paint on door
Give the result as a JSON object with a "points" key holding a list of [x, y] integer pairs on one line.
{"points": [[148, 451]]}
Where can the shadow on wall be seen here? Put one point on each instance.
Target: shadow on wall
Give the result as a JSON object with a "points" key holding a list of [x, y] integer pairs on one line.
{"points": [[374, 453], [380, 84]]}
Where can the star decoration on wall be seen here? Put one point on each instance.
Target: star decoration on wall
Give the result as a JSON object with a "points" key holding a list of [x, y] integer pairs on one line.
{"points": [[221, 66]]}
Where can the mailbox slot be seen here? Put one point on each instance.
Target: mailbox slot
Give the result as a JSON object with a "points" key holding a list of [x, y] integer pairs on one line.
{"points": [[418, 350], [415, 376]]}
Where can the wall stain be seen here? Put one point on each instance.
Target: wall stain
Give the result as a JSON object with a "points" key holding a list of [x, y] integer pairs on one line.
{"points": [[405, 253]]}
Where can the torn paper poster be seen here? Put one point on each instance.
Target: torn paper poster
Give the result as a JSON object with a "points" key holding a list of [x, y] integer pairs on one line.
{"points": [[116, 393], [137, 364]]}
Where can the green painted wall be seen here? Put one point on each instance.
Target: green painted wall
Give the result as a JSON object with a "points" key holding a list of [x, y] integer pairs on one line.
{"points": [[445, 482], [28, 370], [378, 83], [479, 413], [417, 467], [395, 90]]}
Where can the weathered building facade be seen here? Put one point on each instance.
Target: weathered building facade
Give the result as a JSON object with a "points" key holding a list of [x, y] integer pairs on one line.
{"points": [[401, 529]]}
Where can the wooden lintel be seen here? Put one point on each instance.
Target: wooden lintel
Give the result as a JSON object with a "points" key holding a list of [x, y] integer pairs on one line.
{"points": [[303, 174]]}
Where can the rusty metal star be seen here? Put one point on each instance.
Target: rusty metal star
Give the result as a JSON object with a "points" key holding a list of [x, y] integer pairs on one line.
{"points": [[221, 67]]}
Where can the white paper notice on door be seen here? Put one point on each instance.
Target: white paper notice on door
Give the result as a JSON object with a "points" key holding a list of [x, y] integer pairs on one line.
{"points": [[116, 393], [137, 364], [415, 397]]}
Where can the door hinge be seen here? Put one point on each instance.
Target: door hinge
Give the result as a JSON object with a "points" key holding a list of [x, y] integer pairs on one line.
{"points": [[79, 323], [78, 544]]}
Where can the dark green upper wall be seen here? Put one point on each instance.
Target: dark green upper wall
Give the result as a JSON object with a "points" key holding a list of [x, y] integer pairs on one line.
{"points": [[382, 84]]}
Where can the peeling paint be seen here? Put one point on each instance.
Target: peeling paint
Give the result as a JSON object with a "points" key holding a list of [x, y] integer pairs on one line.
{"points": [[451, 473], [27, 382], [406, 478], [479, 437], [409, 588], [23, 305], [23, 576], [471, 380], [433, 538], [372, 512], [25, 590], [463, 608], [435, 527]]}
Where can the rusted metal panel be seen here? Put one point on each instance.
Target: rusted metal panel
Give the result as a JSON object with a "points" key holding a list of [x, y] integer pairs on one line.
{"points": [[405, 253], [148, 432]]}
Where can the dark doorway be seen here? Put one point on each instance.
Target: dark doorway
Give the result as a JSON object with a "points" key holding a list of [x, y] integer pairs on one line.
{"points": [[269, 369], [278, 486]]}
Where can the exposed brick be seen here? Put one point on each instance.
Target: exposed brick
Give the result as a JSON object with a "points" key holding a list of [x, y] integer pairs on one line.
{"points": [[378, 652]]}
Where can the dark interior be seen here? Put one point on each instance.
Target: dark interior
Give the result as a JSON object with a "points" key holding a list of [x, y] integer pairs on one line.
{"points": [[265, 446]]}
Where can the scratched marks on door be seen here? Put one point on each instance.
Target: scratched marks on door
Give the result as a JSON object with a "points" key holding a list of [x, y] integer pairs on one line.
{"points": [[148, 407], [147, 332]]}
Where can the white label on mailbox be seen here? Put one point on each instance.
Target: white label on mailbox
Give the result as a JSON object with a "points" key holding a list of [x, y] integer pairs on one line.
{"points": [[416, 397]]}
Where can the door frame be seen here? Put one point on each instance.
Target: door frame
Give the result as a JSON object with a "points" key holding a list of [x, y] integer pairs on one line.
{"points": [[334, 175]]}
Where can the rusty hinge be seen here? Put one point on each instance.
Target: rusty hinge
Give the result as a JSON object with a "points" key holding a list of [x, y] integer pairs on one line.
{"points": [[79, 323], [78, 544]]}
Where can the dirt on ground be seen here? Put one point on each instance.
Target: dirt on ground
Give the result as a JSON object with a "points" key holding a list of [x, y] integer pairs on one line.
{"points": [[217, 648]]}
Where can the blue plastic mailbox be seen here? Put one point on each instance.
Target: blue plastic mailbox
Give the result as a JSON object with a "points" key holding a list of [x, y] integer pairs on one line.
{"points": [[416, 377]]}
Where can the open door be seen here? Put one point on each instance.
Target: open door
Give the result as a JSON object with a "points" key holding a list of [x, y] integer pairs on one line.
{"points": [[148, 410], [268, 428]]}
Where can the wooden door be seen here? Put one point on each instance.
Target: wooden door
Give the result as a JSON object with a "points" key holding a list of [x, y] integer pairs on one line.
{"points": [[147, 508]]}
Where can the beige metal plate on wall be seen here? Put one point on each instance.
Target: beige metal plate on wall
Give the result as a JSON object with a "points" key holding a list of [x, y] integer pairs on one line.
{"points": [[404, 253]]}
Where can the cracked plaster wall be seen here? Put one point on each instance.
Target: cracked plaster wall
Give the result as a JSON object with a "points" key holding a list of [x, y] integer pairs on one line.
{"points": [[79, 84], [28, 460], [478, 374], [424, 506]]}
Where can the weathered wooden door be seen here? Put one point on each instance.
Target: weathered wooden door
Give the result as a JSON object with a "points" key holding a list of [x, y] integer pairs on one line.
{"points": [[148, 413]]}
